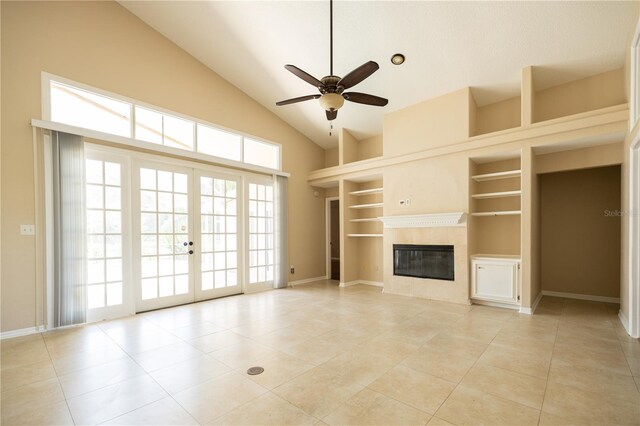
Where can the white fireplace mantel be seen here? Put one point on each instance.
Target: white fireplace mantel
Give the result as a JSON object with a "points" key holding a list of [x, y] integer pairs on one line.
{"points": [[431, 220]]}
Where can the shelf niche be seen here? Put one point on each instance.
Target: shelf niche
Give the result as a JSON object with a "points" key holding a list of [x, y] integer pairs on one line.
{"points": [[495, 205], [362, 258], [493, 117]]}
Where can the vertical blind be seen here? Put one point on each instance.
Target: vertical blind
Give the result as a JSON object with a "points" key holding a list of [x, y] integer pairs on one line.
{"points": [[69, 229]]}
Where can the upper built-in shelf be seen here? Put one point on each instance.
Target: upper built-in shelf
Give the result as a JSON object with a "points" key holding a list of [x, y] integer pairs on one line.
{"points": [[366, 192], [497, 175], [498, 213], [367, 206], [366, 219], [364, 235], [502, 194]]}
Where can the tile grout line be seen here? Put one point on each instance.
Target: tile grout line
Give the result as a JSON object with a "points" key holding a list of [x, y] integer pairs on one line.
{"points": [[64, 395], [546, 383]]}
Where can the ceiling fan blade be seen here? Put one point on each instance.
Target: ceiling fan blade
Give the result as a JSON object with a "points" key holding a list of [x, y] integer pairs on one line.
{"points": [[359, 74], [332, 115], [363, 98], [303, 75], [300, 99]]}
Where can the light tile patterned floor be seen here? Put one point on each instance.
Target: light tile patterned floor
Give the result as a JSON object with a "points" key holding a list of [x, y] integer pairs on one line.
{"points": [[331, 356]]}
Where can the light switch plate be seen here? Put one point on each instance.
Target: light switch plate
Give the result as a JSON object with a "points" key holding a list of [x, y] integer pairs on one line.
{"points": [[27, 230]]}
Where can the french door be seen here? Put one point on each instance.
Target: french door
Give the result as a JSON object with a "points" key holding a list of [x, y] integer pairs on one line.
{"points": [[186, 235], [218, 238], [162, 234]]}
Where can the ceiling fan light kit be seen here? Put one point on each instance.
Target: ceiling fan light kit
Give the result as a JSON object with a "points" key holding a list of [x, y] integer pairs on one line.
{"points": [[331, 87], [331, 101]]}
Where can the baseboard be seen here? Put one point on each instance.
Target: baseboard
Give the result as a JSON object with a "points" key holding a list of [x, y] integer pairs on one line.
{"points": [[624, 321], [306, 281], [22, 332], [364, 282], [372, 283], [494, 304], [581, 296], [532, 309]]}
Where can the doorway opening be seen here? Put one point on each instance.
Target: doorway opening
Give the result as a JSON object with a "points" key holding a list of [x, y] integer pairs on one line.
{"points": [[333, 238], [580, 233]]}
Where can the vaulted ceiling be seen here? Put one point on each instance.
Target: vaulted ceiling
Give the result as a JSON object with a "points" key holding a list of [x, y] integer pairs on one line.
{"points": [[448, 45]]}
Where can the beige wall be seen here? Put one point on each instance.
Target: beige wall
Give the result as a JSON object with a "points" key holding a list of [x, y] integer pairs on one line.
{"points": [[347, 147], [103, 45], [429, 124], [331, 157], [580, 245], [370, 147], [598, 91], [584, 158], [498, 116]]}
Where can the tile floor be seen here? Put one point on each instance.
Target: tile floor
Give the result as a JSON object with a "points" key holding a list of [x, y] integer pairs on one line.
{"points": [[331, 356]]}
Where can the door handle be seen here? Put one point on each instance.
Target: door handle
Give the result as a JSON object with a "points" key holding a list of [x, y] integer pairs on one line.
{"points": [[190, 251]]}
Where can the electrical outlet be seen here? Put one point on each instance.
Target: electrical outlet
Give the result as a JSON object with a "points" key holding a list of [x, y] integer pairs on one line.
{"points": [[407, 202], [27, 230], [293, 270]]}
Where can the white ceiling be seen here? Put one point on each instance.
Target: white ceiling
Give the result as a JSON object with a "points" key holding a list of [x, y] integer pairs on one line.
{"points": [[448, 45]]}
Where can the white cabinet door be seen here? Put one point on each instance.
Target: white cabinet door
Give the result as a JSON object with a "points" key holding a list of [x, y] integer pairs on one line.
{"points": [[495, 280]]}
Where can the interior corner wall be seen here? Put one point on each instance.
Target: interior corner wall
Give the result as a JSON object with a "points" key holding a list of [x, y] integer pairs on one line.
{"points": [[103, 45], [370, 147], [594, 92], [331, 157], [581, 231]]}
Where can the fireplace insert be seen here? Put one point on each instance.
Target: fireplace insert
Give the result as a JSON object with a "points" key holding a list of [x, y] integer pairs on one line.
{"points": [[423, 261]]}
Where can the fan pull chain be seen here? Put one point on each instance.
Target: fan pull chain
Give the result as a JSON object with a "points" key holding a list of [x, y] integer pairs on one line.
{"points": [[330, 128]]}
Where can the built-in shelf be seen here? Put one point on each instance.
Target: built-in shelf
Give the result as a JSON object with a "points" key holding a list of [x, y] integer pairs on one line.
{"points": [[366, 192], [498, 213], [366, 219], [364, 235], [502, 194], [497, 175], [366, 206]]}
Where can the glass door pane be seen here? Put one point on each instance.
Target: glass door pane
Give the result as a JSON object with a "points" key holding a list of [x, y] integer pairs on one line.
{"points": [[261, 235], [107, 263], [164, 244], [217, 246]]}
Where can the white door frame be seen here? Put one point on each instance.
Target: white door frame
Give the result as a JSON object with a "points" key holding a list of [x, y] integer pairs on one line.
{"points": [[327, 226], [633, 321], [634, 240]]}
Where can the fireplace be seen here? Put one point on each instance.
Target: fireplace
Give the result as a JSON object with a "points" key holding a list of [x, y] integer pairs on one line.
{"points": [[423, 261]]}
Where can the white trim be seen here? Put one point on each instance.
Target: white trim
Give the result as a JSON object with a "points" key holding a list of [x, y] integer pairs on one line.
{"points": [[532, 309], [495, 304], [633, 259], [327, 232], [306, 281], [22, 332], [372, 283], [162, 149], [363, 282], [581, 296], [625, 323], [425, 220], [634, 96]]}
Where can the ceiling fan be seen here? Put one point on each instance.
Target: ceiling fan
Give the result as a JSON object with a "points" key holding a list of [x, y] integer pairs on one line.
{"points": [[332, 88]]}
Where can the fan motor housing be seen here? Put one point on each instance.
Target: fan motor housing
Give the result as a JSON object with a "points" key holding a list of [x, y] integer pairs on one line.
{"points": [[330, 84]]}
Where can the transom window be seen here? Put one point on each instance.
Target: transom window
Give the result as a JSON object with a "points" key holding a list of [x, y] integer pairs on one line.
{"points": [[116, 115]]}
